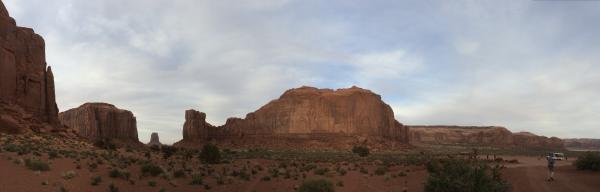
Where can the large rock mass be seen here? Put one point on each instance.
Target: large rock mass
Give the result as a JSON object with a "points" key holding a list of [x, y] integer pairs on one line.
{"points": [[26, 82], [480, 136], [322, 117], [582, 144], [154, 141], [96, 121]]}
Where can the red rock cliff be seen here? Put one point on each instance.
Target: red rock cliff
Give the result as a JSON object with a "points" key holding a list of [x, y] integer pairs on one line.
{"points": [[582, 144], [481, 136], [26, 82], [101, 120], [306, 112]]}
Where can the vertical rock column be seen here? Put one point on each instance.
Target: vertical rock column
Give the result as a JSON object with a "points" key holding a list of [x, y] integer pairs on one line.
{"points": [[24, 79]]}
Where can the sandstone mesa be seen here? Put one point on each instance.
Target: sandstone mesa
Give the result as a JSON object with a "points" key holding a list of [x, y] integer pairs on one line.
{"points": [[97, 121], [481, 136], [320, 117]]}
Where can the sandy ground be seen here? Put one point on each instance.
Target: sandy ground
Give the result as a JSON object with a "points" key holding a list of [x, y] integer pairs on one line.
{"points": [[527, 176], [18, 178], [531, 173]]}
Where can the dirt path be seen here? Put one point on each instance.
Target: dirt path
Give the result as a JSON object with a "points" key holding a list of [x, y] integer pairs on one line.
{"points": [[531, 177]]}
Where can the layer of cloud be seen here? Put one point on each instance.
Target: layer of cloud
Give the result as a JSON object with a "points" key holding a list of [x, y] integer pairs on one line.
{"points": [[529, 65]]}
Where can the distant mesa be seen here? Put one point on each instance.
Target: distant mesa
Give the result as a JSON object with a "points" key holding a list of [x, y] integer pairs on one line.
{"points": [[306, 117], [154, 141], [27, 96], [582, 144], [481, 136], [96, 121]]}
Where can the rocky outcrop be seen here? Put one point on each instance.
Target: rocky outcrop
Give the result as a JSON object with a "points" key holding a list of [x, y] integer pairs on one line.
{"points": [[154, 141], [97, 121], [582, 144], [527, 139], [195, 126], [351, 116], [26, 82], [460, 135], [480, 136]]}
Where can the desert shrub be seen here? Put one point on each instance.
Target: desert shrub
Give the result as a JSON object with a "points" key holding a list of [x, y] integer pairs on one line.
{"points": [[69, 175], [12, 148], [588, 161], [210, 154], [321, 171], [92, 166], [52, 154], [381, 170], [113, 188], [401, 174], [36, 165], [179, 173], [114, 173], [266, 178], [188, 154], [459, 176], [168, 151], [105, 144], [155, 148], [320, 185], [96, 180], [362, 151], [196, 179], [242, 174], [307, 167], [341, 171], [152, 170], [152, 183], [220, 180], [364, 170], [24, 150]]}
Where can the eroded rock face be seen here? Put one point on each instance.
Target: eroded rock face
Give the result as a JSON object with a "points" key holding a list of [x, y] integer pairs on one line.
{"points": [[582, 144], [154, 141], [195, 126], [26, 82], [356, 114], [526, 139], [482, 136], [96, 121]]}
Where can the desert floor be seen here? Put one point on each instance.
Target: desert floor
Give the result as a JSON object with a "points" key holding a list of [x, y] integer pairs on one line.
{"points": [[74, 164], [531, 173], [528, 176]]}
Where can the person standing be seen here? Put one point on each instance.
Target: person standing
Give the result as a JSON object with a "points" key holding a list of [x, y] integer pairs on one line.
{"points": [[551, 161]]}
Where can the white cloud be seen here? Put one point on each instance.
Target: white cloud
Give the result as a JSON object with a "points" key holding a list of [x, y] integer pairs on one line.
{"points": [[467, 47], [388, 64]]}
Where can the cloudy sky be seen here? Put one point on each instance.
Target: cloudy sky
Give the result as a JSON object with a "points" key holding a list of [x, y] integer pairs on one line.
{"points": [[531, 65]]}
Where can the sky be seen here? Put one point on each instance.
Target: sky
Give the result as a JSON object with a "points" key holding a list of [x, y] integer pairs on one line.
{"points": [[531, 65]]}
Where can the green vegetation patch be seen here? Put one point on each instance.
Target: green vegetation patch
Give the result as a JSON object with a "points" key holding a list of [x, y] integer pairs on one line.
{"points": [[588, 161], [450, 175], [210, 154], [36, 165], [319, 185]]}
